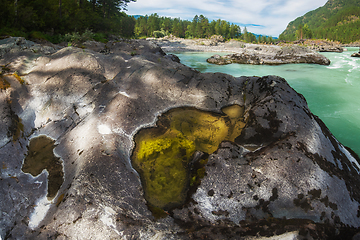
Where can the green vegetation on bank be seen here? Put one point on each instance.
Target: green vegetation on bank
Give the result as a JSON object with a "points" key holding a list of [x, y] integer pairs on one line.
{"points": [[199, 27], [77, 21], [52, 19], [337, 20]]}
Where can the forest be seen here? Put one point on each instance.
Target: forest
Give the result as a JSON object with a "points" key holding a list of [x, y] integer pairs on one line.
{"points": [[66, 20], [199, 27], [52, 19], [337, 20], [69, 20]]}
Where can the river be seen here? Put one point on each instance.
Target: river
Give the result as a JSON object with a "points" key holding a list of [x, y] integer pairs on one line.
{"points": [[332, 92]]}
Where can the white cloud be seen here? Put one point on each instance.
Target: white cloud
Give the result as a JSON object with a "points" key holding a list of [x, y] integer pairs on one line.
{"points": [[272, 16]]}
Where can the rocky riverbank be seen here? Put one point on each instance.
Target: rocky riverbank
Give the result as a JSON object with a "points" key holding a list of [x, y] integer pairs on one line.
{"points": [[89, 138], [321, 45], [218, 44], [246, 53], [271, 55]]}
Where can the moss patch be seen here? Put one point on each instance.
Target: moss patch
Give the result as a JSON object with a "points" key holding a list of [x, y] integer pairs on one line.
{"points": [[21, 81], [4, 84], [41, 156], [165, 155]]}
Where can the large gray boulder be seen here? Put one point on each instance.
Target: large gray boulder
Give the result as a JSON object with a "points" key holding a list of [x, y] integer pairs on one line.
{"points": [[271, 55], [282, 173]]}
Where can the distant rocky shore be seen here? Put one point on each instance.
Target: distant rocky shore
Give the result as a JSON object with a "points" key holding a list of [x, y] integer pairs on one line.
{"points": [[218, 44], [302, 51], [271, 55]]}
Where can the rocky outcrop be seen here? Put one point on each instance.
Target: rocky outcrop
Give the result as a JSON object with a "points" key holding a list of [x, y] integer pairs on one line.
{"points": [[271, 55], [353, 44], [321, 45], [277, 170], [356, 54], [213, 41], [329, 49]]}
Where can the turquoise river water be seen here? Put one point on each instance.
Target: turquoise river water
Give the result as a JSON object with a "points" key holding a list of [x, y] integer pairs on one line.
{"points": [[332, 92]]}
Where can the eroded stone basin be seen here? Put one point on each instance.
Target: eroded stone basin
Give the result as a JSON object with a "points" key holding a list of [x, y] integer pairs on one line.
{"points": [[41, 156], [170, 156]]}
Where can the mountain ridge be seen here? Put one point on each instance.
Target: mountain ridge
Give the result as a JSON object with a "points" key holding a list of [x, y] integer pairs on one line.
{"points": [[336, 20]]}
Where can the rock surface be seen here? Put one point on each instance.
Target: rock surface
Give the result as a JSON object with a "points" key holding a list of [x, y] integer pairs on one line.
{"points": [[356, 54], [271, 55], [321, 45], [329, 49], [285, 174]]}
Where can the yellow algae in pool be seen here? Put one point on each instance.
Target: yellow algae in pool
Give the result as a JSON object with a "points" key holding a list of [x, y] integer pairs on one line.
{"points": [[236, 116], [163, 162], [163, 154], [41, 156]]}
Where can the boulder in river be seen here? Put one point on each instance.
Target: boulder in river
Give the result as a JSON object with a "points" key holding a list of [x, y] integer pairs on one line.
{"points": [[129, 144], [271, 55]]}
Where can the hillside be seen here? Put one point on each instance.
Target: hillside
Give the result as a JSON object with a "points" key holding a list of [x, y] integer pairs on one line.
{"points": [[336, 20]]}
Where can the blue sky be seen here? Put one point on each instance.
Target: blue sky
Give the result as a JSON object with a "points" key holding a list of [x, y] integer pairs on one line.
{"points": [[266, 17]]}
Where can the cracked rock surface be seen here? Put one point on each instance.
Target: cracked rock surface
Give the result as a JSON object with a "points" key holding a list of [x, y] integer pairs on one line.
{"points": [[285, 174]]}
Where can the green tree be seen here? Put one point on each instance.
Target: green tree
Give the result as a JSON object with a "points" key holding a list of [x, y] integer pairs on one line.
{"points": [[153, 23], [193, 26], [245, 35], [218, 27], [176, 30], [235, 31], [306, 31], [212, 28], [141, 27], [166, 24], [300, 32], [202, 27], [225, 29]]}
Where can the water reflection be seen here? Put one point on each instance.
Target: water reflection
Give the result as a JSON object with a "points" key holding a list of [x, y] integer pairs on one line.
{"points": [[41, 156]]}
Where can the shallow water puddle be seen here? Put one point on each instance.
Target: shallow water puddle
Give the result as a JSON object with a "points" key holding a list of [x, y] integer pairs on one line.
{"points": [[169, 157], [41, 156]]}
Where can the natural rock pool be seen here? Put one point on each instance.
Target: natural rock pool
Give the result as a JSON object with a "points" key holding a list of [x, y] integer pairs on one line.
{"points": [[169, 156], [40, 156], [332, 92]]}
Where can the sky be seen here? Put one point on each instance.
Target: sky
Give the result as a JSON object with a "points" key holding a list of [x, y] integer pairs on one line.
{"points": [[265, 17]]}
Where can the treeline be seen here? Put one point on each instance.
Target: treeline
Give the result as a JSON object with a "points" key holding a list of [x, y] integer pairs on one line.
{"points": [[337, 20], [81, 20], [56, 17], [199, 27]]}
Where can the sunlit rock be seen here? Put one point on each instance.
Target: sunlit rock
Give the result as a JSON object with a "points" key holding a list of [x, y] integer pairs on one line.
{"points": [[254, 161]]}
